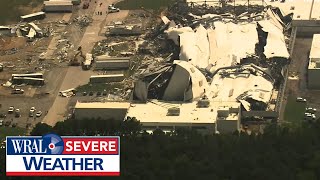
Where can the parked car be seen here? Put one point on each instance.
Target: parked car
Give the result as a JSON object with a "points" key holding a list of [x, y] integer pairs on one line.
{"points": [[98, 93], [7, 123], [104, 93], [85, 5], [14, 125], [112, 9], [300, 99], [311, 110], [84, 93], [31, 112], [90, 93], [309, 116], [11, 109], [17, 91], [1, 122], [17, 113], [2, 115], [39, 113]]}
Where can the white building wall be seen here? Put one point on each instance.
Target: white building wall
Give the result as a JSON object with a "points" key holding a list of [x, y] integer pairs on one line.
{"points": [[313, 78], [102, 113], [227, 126], [205, 128]]}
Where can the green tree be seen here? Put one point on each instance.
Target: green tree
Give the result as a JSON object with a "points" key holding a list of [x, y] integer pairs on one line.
{"points": [[41, 129]]}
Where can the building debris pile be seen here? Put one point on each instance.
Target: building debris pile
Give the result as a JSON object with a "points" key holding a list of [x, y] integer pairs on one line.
{"points": [[82, 21], [64, 46], [116, 46], [28, 30]]}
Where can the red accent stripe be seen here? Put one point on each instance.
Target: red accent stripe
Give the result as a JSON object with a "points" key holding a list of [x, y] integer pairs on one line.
{"points": [[63, 173]]}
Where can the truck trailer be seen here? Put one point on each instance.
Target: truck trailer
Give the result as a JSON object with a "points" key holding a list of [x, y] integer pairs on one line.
{"points": [[111, 63], [107, 78], [58, 6], [33, 16]]}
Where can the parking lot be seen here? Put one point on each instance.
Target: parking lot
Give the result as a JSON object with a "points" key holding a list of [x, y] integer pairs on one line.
{"points": [[39, 97], [297, 84]]}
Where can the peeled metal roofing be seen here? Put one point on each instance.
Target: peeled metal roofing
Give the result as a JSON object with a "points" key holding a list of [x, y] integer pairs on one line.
{"points": [[194, 47], [276, 46], [199, 81], [231, 42], [173, 33]]}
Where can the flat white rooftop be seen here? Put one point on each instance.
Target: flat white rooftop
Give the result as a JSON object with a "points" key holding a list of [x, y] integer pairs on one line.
{"points": [[60, 3], [156, 112], [102, 105], [315, 47], [300, 8], [314, 52]]}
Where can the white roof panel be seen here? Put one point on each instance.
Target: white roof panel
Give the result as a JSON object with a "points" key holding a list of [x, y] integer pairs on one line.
{"points": [[315, 47]]}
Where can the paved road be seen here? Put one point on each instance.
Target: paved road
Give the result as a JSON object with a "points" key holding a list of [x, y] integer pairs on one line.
{"points": [[297, 86], [75, 76]]}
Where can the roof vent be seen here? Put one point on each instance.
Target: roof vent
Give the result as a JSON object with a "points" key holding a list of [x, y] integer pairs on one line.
{"points": [[203, 102], [174, 111]]}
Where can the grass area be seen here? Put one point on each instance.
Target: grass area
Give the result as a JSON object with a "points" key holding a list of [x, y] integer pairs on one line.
{"points": [[294, 111], [10, 131], [11, 10], [147, 4]]}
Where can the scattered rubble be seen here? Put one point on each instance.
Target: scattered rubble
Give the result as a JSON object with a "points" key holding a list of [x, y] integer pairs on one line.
{"points": [[64, 46], [83, 20]]}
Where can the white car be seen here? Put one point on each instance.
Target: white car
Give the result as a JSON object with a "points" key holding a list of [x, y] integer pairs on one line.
{"points": [[1, 122], [311, 110], [112, 9], [17, 113], [309, 115], [32, 110], [11, 109], [39, 113], [300, 99], [17, 91]]}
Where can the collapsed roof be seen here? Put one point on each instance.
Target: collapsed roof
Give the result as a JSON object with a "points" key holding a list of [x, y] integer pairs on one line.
{"points": [[212, 50], [225, 41], [186, 84]]}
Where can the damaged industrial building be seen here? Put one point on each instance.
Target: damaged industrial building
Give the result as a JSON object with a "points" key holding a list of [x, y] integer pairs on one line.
{"points": [[207, 67], [224, 61]]}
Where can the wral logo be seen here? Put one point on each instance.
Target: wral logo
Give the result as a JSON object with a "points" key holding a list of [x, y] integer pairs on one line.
{"points": [[54, 142], [48, 144], [52, 155]]}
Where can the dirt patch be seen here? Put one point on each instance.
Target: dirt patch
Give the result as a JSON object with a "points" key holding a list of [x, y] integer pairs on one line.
{"points": [[7, 43]]}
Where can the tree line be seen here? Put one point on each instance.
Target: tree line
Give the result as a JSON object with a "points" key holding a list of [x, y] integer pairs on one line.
{"points": [[278, 153]]}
